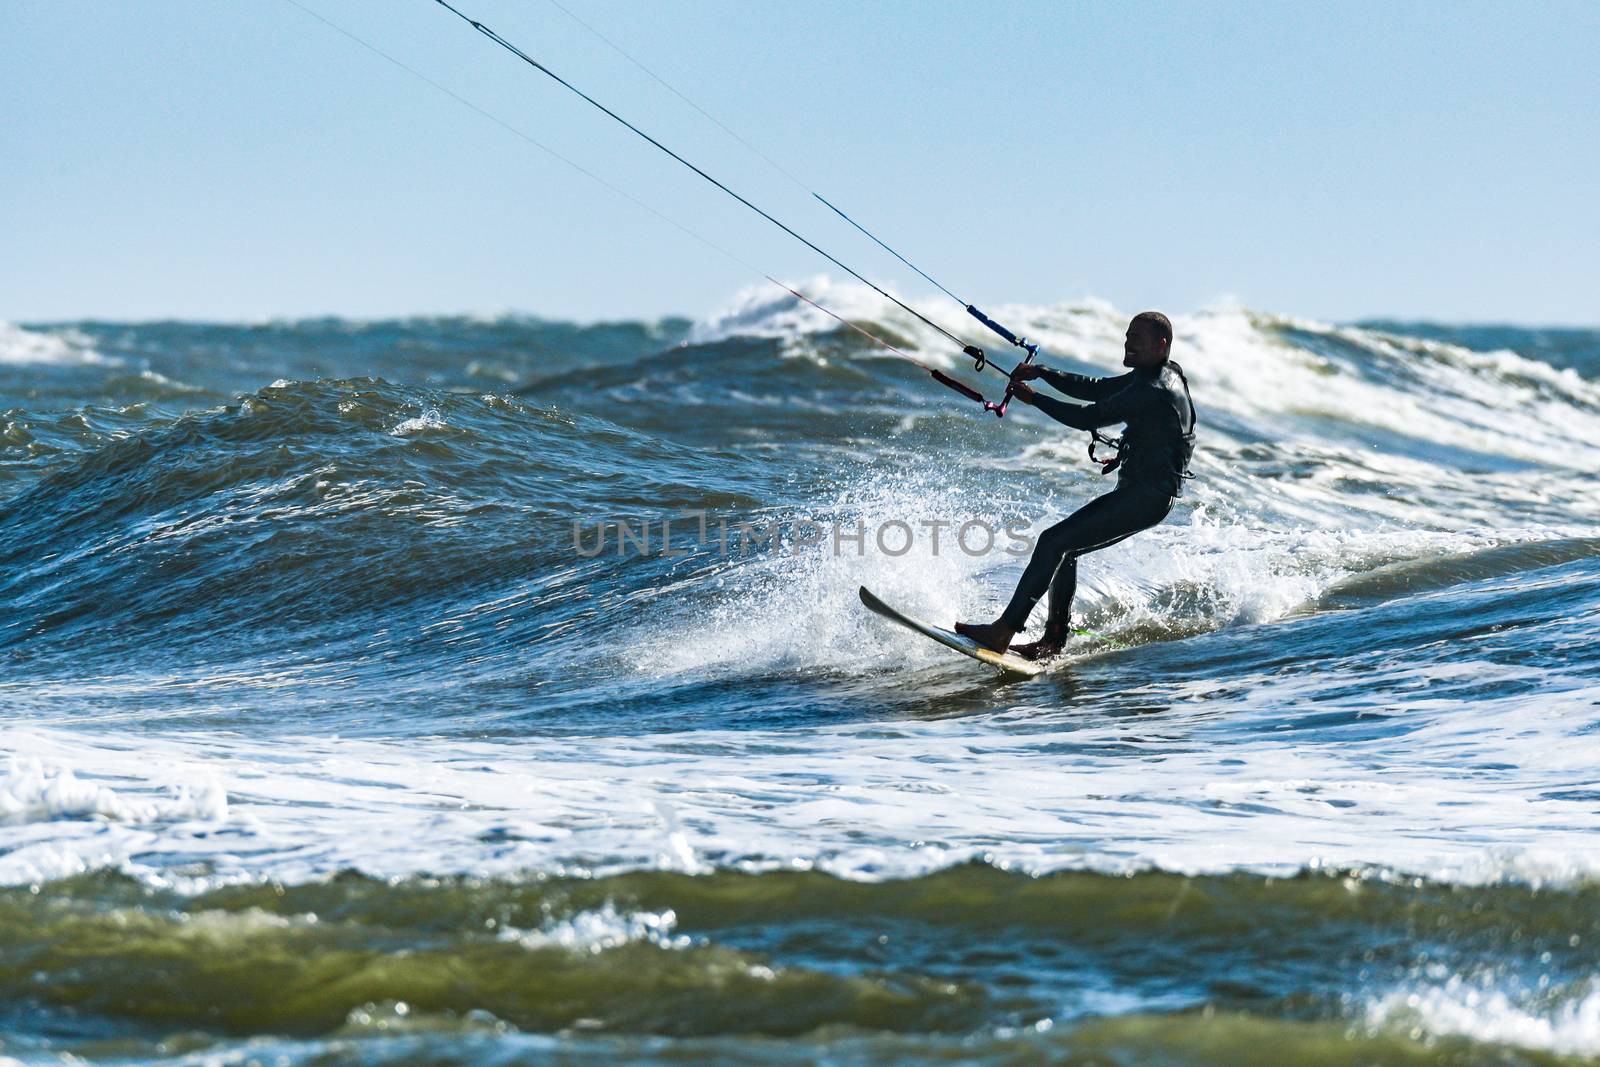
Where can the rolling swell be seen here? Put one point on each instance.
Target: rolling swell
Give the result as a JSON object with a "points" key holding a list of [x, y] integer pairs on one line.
{"points": [[974, 953], [1441, 572], [399, 530], [309, 513]]}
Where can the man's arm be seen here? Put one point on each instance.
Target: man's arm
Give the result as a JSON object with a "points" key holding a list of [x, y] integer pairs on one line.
{"points": [[1108, 412], [1082, 386]]}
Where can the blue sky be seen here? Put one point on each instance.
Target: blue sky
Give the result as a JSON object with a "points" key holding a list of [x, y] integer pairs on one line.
{"points": [[227, 160]]}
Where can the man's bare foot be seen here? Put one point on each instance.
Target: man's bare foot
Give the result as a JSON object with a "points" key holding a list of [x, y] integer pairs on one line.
{"points": [[1038, 650], [1050, 642], [991, 635]]}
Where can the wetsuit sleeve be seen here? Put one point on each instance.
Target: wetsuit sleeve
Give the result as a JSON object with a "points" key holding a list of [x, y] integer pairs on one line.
{"points": [[1108, 412], [1082, 386]]}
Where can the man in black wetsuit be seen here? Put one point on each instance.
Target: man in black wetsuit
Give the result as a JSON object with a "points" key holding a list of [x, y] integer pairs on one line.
{"points": [[1153, 399]]}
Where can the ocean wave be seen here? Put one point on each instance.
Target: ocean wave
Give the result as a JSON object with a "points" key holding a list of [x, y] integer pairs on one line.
{"points": [[969, 951], [315, 490], [19, 346], [1252, 365]]}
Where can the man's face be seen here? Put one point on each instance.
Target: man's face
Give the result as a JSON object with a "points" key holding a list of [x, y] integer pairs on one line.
{"points": [[1142, 346]]}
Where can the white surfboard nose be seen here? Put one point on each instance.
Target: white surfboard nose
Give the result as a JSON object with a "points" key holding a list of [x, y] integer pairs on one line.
{"points": [[950, 639]]}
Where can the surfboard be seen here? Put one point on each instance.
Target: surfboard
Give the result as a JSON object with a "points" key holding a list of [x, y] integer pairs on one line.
{"points": [[950, 639]]}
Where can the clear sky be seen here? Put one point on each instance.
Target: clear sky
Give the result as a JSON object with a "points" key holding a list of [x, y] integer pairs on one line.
{"points": [[231, 159]]}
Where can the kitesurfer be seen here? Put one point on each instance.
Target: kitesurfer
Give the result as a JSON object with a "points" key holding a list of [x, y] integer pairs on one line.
{"points": [[1153, 459]]}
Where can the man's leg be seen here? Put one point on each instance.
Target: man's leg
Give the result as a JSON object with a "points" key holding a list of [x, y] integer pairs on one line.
{"points": [[1063, 587], [1102, 521]]}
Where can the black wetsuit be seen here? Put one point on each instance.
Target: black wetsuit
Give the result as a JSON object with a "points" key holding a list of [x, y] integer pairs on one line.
{"points": [[1155, 453]]}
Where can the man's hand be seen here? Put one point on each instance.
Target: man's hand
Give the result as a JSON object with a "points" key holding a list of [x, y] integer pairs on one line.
{"points": [[1027, 372], [1022, 391]]}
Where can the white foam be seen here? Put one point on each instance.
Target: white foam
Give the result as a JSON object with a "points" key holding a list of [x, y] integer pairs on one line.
{"points": [[33, 792], [63, 348], [600, 930], [749, 622], [429, 420], [1486, 1014], [1033, 788], [1196, 571], [767, 311], [59, 824]]}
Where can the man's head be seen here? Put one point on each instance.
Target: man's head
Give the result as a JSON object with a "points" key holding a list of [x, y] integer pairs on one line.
{"points": [[1148, 342]]}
